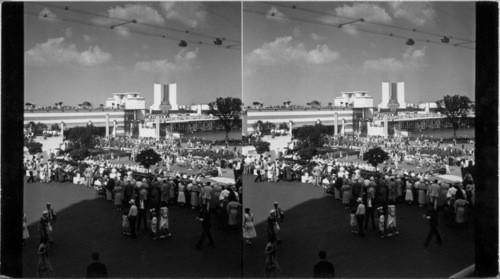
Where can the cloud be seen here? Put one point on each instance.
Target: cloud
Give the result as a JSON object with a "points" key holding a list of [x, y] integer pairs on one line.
{"points": [[88, 38], [411, 59], [284, 51], [68, 32], [418, 13], [140, 12], [368, 11], [184, 61], [317, 37], [56, 52], [296, 32], [274, 14], [48, 15], [191, 14]]}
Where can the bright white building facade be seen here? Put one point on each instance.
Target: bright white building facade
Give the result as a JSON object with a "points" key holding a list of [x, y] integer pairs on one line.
{"points": [[127, 100], [393, 96], [355, 99], [165, 97]]}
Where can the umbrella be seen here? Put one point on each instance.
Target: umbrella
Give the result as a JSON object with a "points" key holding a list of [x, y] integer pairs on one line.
{"points": [[449, 177]]}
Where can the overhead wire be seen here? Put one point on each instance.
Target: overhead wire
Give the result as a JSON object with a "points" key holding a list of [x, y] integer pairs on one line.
{"points": [[185, 32], [354, 29], [162, 36], [415, 30]]}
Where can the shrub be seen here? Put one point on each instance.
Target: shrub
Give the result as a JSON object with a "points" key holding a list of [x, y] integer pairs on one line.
{"points": [[34, 147], [79, 153], [262, 147]]}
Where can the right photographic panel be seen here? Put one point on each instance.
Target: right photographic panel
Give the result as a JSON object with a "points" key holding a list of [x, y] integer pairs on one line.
{"points": [[358, 124]]}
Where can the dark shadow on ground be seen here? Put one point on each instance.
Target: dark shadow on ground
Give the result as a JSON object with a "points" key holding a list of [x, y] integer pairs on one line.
{"points": [[87, 223], [314, 222]]}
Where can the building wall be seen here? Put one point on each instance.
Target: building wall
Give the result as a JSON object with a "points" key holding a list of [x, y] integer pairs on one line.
{"points": [[75, 118], [165, 93], [298, 117], [401, 94]]}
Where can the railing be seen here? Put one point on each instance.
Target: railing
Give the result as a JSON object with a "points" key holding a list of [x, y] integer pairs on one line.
{"points": [[181, 118], [415, 116]]}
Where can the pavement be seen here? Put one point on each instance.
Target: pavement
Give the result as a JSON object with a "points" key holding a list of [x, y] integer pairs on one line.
{"points": [[88, 223], [315, 221]]}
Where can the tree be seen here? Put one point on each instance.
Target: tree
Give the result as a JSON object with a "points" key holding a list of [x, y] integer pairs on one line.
{"points": [[147, 158], [375, 156], [456, 109], [283, 126], [79, 154], [83, 137], [55, 127], [313, 136], [227, 110], [86, 104], [34, 147], [315, 103], [262, 147]]}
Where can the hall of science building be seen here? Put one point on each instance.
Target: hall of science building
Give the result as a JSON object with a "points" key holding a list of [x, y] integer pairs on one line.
{"points": [[124, 110]]}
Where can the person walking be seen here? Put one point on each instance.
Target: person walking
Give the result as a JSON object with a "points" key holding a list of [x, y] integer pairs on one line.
{"points": [[280, 217], [96, 269], [132, 218], [206, 224], [271, 264], [432, 216], [369, 212], [323, 268], [248, 227], [360, 216], [44, 268], [44, 227], [142, 214], [26, 233]]}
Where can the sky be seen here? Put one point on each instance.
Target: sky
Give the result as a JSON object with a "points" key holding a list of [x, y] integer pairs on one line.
{"points": [[73, 55], [296, 51]]}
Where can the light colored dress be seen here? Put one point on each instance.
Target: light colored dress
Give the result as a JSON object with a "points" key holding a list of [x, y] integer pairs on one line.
{"points": [[249, 229], [391, 216], [181, 198], [118, 194], [346, 194], [26, 233]]}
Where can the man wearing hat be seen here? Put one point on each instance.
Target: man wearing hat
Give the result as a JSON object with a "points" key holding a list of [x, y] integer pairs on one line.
{"points": [[360, 216], [51, 214], [132, 217], [44, 227]]}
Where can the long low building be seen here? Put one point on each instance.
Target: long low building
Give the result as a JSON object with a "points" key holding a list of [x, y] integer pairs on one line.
{"points": [[343, 117], [81, 117]]}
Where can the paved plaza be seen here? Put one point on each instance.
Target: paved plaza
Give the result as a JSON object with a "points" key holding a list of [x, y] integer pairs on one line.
{"points": [[315, 221], [88, 223]]}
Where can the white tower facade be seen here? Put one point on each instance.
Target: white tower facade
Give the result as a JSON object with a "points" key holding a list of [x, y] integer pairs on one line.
{"points": [[393, 95], [166, 95]]}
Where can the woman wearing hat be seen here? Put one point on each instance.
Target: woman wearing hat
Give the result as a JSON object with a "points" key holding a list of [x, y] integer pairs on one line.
{"points": [[248, 227]]}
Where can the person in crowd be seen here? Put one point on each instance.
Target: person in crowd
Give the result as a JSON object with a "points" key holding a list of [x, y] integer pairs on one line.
{"points": [[125, 224], [232, 213], [44, 267], [360, 216], [164, 229], [323, 268], [26, 233], [369, 211], [205, 219], [432, 216], [249, 232], [459, 207], [181, 196], [154, 224], [132, 217], [44, 227], [434, 193], [96, 269], [381, 221], [353, 222], [391, 226], [142, 209], [271, 265], [346, 194]]}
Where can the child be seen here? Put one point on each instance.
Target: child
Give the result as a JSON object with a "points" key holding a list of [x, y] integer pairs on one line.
{"points": [[354, 222], [154, 223], [381, 221], [125, 223], [391, 220]]}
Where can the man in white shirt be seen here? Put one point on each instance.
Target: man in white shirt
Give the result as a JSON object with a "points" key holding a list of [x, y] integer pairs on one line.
{"points": [[132, 217]]}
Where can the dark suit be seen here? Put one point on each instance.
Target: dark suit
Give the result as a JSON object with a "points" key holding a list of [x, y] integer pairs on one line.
{"points": [[97, 270], [206, 224], [142, 215], [324, 269]]}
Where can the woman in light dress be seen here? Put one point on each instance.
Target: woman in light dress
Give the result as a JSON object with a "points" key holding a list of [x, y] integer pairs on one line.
{"points": [[26, 233], [118, 190], [164, 229], [181, 198], [248, 228]]}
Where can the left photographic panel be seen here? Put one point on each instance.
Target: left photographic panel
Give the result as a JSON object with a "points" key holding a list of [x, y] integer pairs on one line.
{"points": [[132, 138]]}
